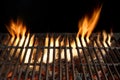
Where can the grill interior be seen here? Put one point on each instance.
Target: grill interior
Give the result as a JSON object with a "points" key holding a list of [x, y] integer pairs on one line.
{"points": [[93, 62]]}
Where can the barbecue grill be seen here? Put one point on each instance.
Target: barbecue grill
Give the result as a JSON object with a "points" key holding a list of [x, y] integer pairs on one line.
{"points": [[93, 62]]}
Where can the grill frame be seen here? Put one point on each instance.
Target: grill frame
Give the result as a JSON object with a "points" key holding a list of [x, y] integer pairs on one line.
{"points": [[65, 71]]}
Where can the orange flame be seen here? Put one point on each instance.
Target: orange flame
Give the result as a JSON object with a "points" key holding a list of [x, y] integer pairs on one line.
{"points": [[18, 32], [106, 39], [50, 50], [87, 25]]}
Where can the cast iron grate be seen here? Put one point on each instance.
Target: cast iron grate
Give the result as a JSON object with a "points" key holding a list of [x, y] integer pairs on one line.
{"points": [[93, 62]]}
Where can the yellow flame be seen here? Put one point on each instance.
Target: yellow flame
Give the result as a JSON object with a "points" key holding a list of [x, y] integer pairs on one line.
{"points": [[18, 31], [20, 37], [45, 55], [87, 25], [106, 39]]}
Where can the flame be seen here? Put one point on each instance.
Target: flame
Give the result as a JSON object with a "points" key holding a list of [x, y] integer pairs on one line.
{"points": [[87, 25], [106, 40], [18, 32], [45, 55], [22, 38]]}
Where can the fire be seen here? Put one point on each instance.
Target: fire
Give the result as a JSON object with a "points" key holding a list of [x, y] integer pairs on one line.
{"points": [[20, 38], [106, 40], [50, 50], [87, 25]]}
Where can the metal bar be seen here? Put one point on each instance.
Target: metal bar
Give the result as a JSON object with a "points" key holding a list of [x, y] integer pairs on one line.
{"points": [[4, 48], [41, 65], [27, 68], [116, 49], [53, 65], [47, 64], [118, 66], [19, 56], [113, 59], [88, 66], [60, 63], [80, 59], [72, 61], [34, 66], [66, 61], [94, 65], [41, 60], [4, 54], [23, 64], [23, 58], [103, 71], [98, 59], [4, 67], [109, 59], [28, 64], [111, 52], [15, 50]]}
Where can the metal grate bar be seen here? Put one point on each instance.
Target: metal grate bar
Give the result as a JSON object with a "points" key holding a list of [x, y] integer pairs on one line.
{"points": [[116, 49], [100, 64], [95, 61], [80, 59], [105, 58], [17, 63], [41, 65], [86, 60], [48, 51], [66, 63], [34, 67], [28, 66], [111, 60], [22, 66], [14, 51], [60, 63], [53, 65], [4, 53], [72, 61], [114, 60], [90, 51]]}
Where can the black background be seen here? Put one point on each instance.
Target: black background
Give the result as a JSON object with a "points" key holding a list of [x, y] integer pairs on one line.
{"points": [[58, 16]]}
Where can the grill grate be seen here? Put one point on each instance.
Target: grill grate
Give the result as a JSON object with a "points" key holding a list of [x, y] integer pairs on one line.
{"points": [[94, 61]]}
